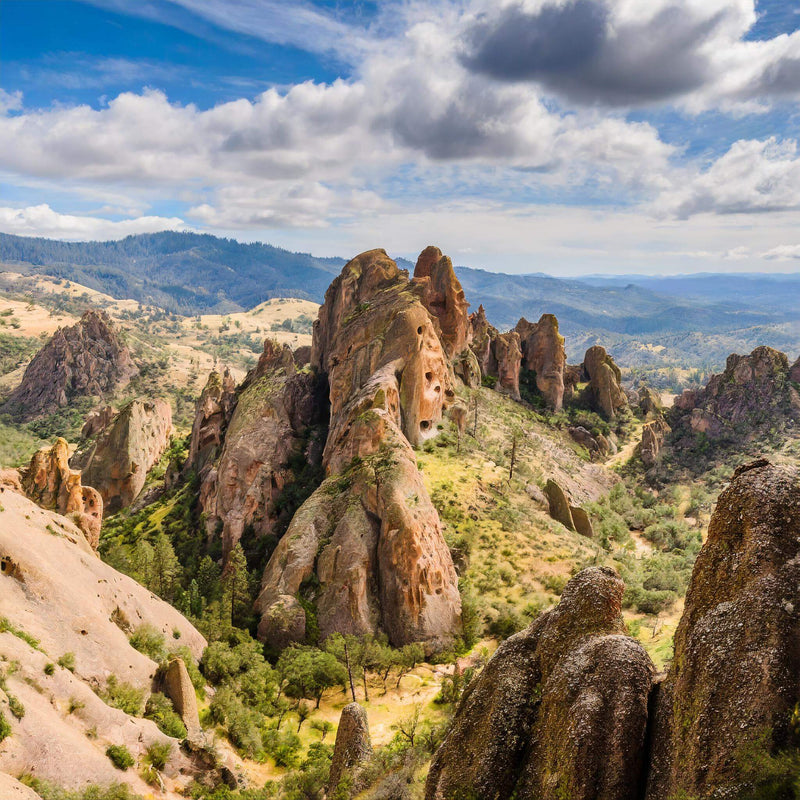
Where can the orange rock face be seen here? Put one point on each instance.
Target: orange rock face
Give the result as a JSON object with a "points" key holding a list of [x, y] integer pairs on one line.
{"points": [[369, 536], [543, 352], [212, 415], [506, 359], [50, 483], [605, 393]]}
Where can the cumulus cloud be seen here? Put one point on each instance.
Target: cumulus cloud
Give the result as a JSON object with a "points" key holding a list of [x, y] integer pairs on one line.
{"points": [[43, 221], [753, 176], [623, 53], [783, 252]]}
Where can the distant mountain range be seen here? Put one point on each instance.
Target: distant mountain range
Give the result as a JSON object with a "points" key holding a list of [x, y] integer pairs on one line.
{"points": [[648, 319]]}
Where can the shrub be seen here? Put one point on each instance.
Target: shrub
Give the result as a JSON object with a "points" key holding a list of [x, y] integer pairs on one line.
{"points": [[67, 661], [120, 756], [160, 710], [158, 754], [150, 641], [5, 727], [16, 707], [123, 696], [49, 669]]}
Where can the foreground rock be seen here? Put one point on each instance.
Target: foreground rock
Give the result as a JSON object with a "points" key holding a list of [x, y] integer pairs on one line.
{"points": [[543, 353], [178, 687], [604, 391], [12, 789], [117, 462], [57, 592], [353, 748], [559, 711], [734, 677], [276, 416], [85, 360], [366, 550], [51, 483]]}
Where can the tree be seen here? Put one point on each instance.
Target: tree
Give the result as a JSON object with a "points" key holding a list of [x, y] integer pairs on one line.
{"points": [[208, 575], [236, 585], [306, 671], [166, 568], [322, 726], [407, 658], [408, 725], [303, 712]]}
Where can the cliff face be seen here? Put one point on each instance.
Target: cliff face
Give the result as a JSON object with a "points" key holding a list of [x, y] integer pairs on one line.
{"points": [[117, 463], [543, 353], [559, 711], [366, 550], [604, 391], [85, 360]]}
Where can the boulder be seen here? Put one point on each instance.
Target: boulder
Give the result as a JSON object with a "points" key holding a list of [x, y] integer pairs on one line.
{"points": [[505, 363], [572, 377], [654, 434], [584, 438], [353, 747], [560, 710], [605, 393], [117, 462], [481, 335], [12, 789], [733, 680], [558, 504], [366, 550], [50, 483], [302, 355], [650, 402], [85, 360], [467, 369], [178, 687], [581, 521], [543, 353], [211, 417], [442, 295]]}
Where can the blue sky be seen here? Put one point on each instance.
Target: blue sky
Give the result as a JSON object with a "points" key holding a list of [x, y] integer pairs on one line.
{"points": [[563, 136]]}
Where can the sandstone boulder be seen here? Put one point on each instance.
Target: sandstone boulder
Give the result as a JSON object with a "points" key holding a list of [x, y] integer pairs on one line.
{"points": [[97, 421], [506, 358], [85, 360], [481, 335], [178, 687], [734, 678], [584, 438], [543, 353], [117, 462], [467, 369], [605, 393], [559, 504], [559, 711], [50, 483], [581, 521], [352, 749], [649, 402], [12, 789]]}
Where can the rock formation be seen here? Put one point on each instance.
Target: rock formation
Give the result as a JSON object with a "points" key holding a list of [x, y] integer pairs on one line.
{"points": [[352, 749], [650, 402], [50, 483], [559, 711], [178, 687], [753, 394], [467, 369], [794, 372], [117, 462], [85, 360], [734, 677], [97, 421], [505, 362], [559, 504], [276, 411], [543, 353], [444, 298], [481, 335], [212, 414], [572, 377], [654, 434], [605, 394], [366, 550]]}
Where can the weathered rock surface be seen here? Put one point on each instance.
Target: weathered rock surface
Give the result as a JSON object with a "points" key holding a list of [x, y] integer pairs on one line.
{"points": [[117, 462], [467, 369], [735, 671], [366, 549], [50, 483], [12, 789], [506, 358], [481, 335], [650, 402], [559, 504], [543, 353], [444, 298], [62, 595], [212, 414], [605, 393], [581, 521], [276, 409], [352, 749], [752, 394], [97, 421], [654, 433], [559, 711], [178, 687], [85, 360], [794, 371], [584, 438]]}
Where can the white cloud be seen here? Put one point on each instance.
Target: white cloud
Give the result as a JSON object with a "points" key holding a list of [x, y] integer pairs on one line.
{"points": [[783, 252], [43, 221]]}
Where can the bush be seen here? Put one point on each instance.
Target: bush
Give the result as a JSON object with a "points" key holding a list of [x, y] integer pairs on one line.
{"points": [[158, 754], [120, 756], [5, 727], [160, 710], [15, 706], [283, 747], [67, 661], [150, 641], [124, 696], [49, 669]]}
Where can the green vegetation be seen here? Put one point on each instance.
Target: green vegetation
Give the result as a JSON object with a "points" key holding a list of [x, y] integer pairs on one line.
{"points": [[160, 710], [120, 756], [124, 696], [67, 661], [5, 727], [48, 791]]}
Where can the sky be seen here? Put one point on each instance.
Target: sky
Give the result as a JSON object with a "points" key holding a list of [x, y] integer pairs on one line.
{"points": [[559, 136]]}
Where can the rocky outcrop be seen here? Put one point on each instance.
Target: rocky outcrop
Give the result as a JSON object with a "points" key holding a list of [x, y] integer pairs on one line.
{"points": [[50, 483], [543, 353], [467, 369], [85, 360], [572, 377], [481, 335], [444, 298], [654, 433], [117, 462], [559, 711], [573, 518], [753, 394], [506, 358], [274, 427], [604, 391], [211, 417], [12, 789], [794, 372], [97, 421], [733, 680], [178, 687], [353, 748], [366, 550], [649, 402]]}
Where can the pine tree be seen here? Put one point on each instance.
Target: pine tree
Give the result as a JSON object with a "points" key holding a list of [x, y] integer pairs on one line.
{"points": [[166, 568], [235, 586]]}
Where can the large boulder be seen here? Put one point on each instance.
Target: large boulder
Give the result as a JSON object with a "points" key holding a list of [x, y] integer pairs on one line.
{"points": [[117, 462], [559, 711], [178, 687], [605, 393], [51, 483], [444, 298], [85, 360], [654, 433], [277, 411], [481, 335], [733, 682], [559, 506], [366, 551], [543, 353], [353, 747]]}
